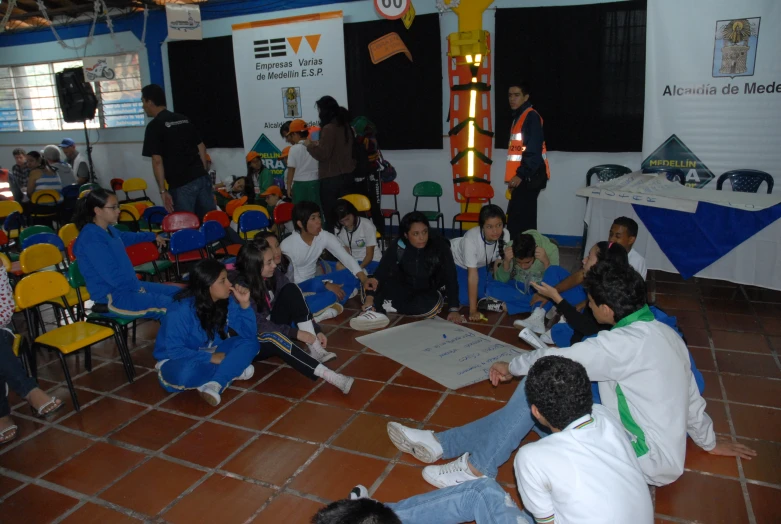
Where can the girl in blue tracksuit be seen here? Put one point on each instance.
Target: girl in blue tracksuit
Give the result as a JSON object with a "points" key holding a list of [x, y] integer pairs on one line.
{"points": [[109, 274], [209, 337]]}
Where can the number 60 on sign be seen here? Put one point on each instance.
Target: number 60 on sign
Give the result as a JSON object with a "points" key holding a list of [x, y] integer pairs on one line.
{"points": [[392, 9]]}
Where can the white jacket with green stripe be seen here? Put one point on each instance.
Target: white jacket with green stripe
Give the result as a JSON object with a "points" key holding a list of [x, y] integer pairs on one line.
{"points": [[645, 379]]}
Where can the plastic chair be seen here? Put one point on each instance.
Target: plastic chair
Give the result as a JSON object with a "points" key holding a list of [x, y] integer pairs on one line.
{"points": [[252, 221], [68, 233], [180, 220], [45, 205], [84, 193], [746, 180], [606, 172], [391, 189], [673, 175], [116, 184], [218, 216], [33, 230], [14, 224], [233, 205], [133, 185], [473, 192], [283, 213], [9, 206], [88, 187], [249, 207], [146, 260], [152, 218], [39, 288], [429, 189], [44, 238], [361, 204], [71, 192], [214, 233], [186, 245], [40, 256], [129, 216], [69, 250], [6, 262]]}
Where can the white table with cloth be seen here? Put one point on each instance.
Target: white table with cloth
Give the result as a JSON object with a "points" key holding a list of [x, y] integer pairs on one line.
{"points": [[722, 235]]}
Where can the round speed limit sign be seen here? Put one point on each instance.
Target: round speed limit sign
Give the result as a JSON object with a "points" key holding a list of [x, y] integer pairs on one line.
{"points": [[392, 9]]}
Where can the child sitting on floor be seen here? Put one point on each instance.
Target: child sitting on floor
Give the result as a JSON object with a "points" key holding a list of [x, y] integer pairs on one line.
{"points": [[357, 234], [624, 232]]}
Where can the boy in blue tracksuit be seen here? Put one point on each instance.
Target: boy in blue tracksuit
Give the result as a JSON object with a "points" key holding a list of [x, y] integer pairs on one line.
{"points": [[106, 267]]}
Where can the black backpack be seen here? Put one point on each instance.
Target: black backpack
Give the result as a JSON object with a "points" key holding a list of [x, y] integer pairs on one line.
{"points": [[361, 157]]}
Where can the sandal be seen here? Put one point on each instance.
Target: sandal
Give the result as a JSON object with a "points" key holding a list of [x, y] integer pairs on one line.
{"points": [[4, 438], [48, 408]]}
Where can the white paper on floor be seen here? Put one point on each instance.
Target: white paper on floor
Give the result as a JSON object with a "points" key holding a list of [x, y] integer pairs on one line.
{"points": [[448, 353]]}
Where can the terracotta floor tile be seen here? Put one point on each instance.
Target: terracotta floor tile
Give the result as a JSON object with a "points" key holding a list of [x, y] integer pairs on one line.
{"points": [[143, 356], [508, 320], [775, 341], [696, 337], [312, 422], [747, 364], [759, 294], [767, 310], [91, 513], [409, 377], [94, 469], [753, 342], [756, 422], [102, 417], [358, 396], [154, 430], [147, 330], [105, 378], [344, 338], [253, 410], [146, 389], [688, 319], [766, 467], [7, 485], [771, 326], [208, 444], [663, 276], [700, 460], [287, 382], [288, 509], [371, 367], [49, 449], [732, 306], [35, 505], [152, 486], [403, 402], [677, 288], [219, 499], [734, 322], [403, 482], [718, 413], [484, 388], [712, 387], [25, 426], [727, 292], [62, 393], [318, 478], [53, 371], [703, 358], [684, 497], [191, 403], [753, 390], [367, 434], [271, 459], [457, 410], [764, 502], [687, 303]]}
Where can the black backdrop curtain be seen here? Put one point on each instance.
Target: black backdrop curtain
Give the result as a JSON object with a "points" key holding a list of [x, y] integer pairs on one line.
{"points": [[586, 68], [403, 98], [203, 83]]}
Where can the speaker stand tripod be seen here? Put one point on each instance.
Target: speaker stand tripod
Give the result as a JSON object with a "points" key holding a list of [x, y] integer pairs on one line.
{"points": [[92, 177]]}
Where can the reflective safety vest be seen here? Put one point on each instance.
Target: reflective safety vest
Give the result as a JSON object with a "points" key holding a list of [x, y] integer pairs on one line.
{"points": [[516, 148]]}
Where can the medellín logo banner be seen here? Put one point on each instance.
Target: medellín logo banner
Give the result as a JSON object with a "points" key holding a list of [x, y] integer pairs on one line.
{"points": [[271, 157], [675, 155]]}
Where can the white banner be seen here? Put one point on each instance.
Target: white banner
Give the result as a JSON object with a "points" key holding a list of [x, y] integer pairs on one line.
{"points": [[283, 67], [98, 68], [713, 88], [184, 22]]}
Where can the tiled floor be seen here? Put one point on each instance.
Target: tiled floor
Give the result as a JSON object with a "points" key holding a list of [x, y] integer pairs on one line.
{"points": [[279, 446]]}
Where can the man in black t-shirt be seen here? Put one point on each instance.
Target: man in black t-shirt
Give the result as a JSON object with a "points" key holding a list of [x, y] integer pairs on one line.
{"points": [[178, 156]]}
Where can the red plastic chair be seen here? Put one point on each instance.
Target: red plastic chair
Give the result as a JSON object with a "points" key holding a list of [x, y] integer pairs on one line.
{"points": [[217, 216], [180, 220], [71, 254], [391, 189], [474, 192], [116, 184]]}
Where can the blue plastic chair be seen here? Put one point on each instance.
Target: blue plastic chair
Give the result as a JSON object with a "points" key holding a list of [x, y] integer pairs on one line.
{"points": [[746, 180], [187, 245], [215, 239], [673, 175], [153, 216], [44, 238], [71, 192], [14, 221], [252, 221]]}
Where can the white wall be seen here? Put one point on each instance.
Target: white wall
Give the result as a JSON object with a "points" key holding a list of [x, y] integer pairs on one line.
{"points": [[117, 153]]}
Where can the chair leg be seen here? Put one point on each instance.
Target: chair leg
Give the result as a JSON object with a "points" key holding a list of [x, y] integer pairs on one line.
{"points": [[134, 332], [88, 358], [124, 354], [67, 373]]}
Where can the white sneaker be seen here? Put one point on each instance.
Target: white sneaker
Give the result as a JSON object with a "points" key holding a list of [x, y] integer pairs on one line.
{"points": [[546, 337], [452, 474], [420, 443], [359, 492], [369, 320], [332, 311], [318, 353], [536, 322], [388, 307], [247, 374], [528, 336], [210, 392]]}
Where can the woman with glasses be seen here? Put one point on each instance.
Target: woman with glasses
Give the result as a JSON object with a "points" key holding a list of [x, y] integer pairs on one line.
{"points": [[100, 252]]}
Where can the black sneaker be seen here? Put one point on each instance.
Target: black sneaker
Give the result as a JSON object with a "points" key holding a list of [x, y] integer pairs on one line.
{"points": [[490, 304]]}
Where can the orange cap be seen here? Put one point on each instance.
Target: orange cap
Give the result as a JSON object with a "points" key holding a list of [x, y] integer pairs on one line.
{"points": [[272, 190], [285, 152], [208, 157], [252, 155], [297, 125]]}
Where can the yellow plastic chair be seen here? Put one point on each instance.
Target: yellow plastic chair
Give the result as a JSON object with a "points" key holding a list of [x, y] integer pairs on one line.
{"points": [[248, 207], [43, 287], [46, 196], [134, 184], [6, 262], [68, 233], [129, 215], [42, 256], [361, 204], [84, 193], [9, 206]]}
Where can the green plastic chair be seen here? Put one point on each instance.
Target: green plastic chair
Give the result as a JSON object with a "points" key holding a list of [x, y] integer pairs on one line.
{"points": [[121, 227], [603, 173], [118, 324], [33, 230], [89, 186], [428, 189]]}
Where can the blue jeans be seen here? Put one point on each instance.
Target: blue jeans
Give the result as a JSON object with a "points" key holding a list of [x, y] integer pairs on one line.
{"points": [[196, 197], [483, 280], [513, 294], [152, 302], [185, 373], [483, 501], [492, 439], [12, 373]]}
